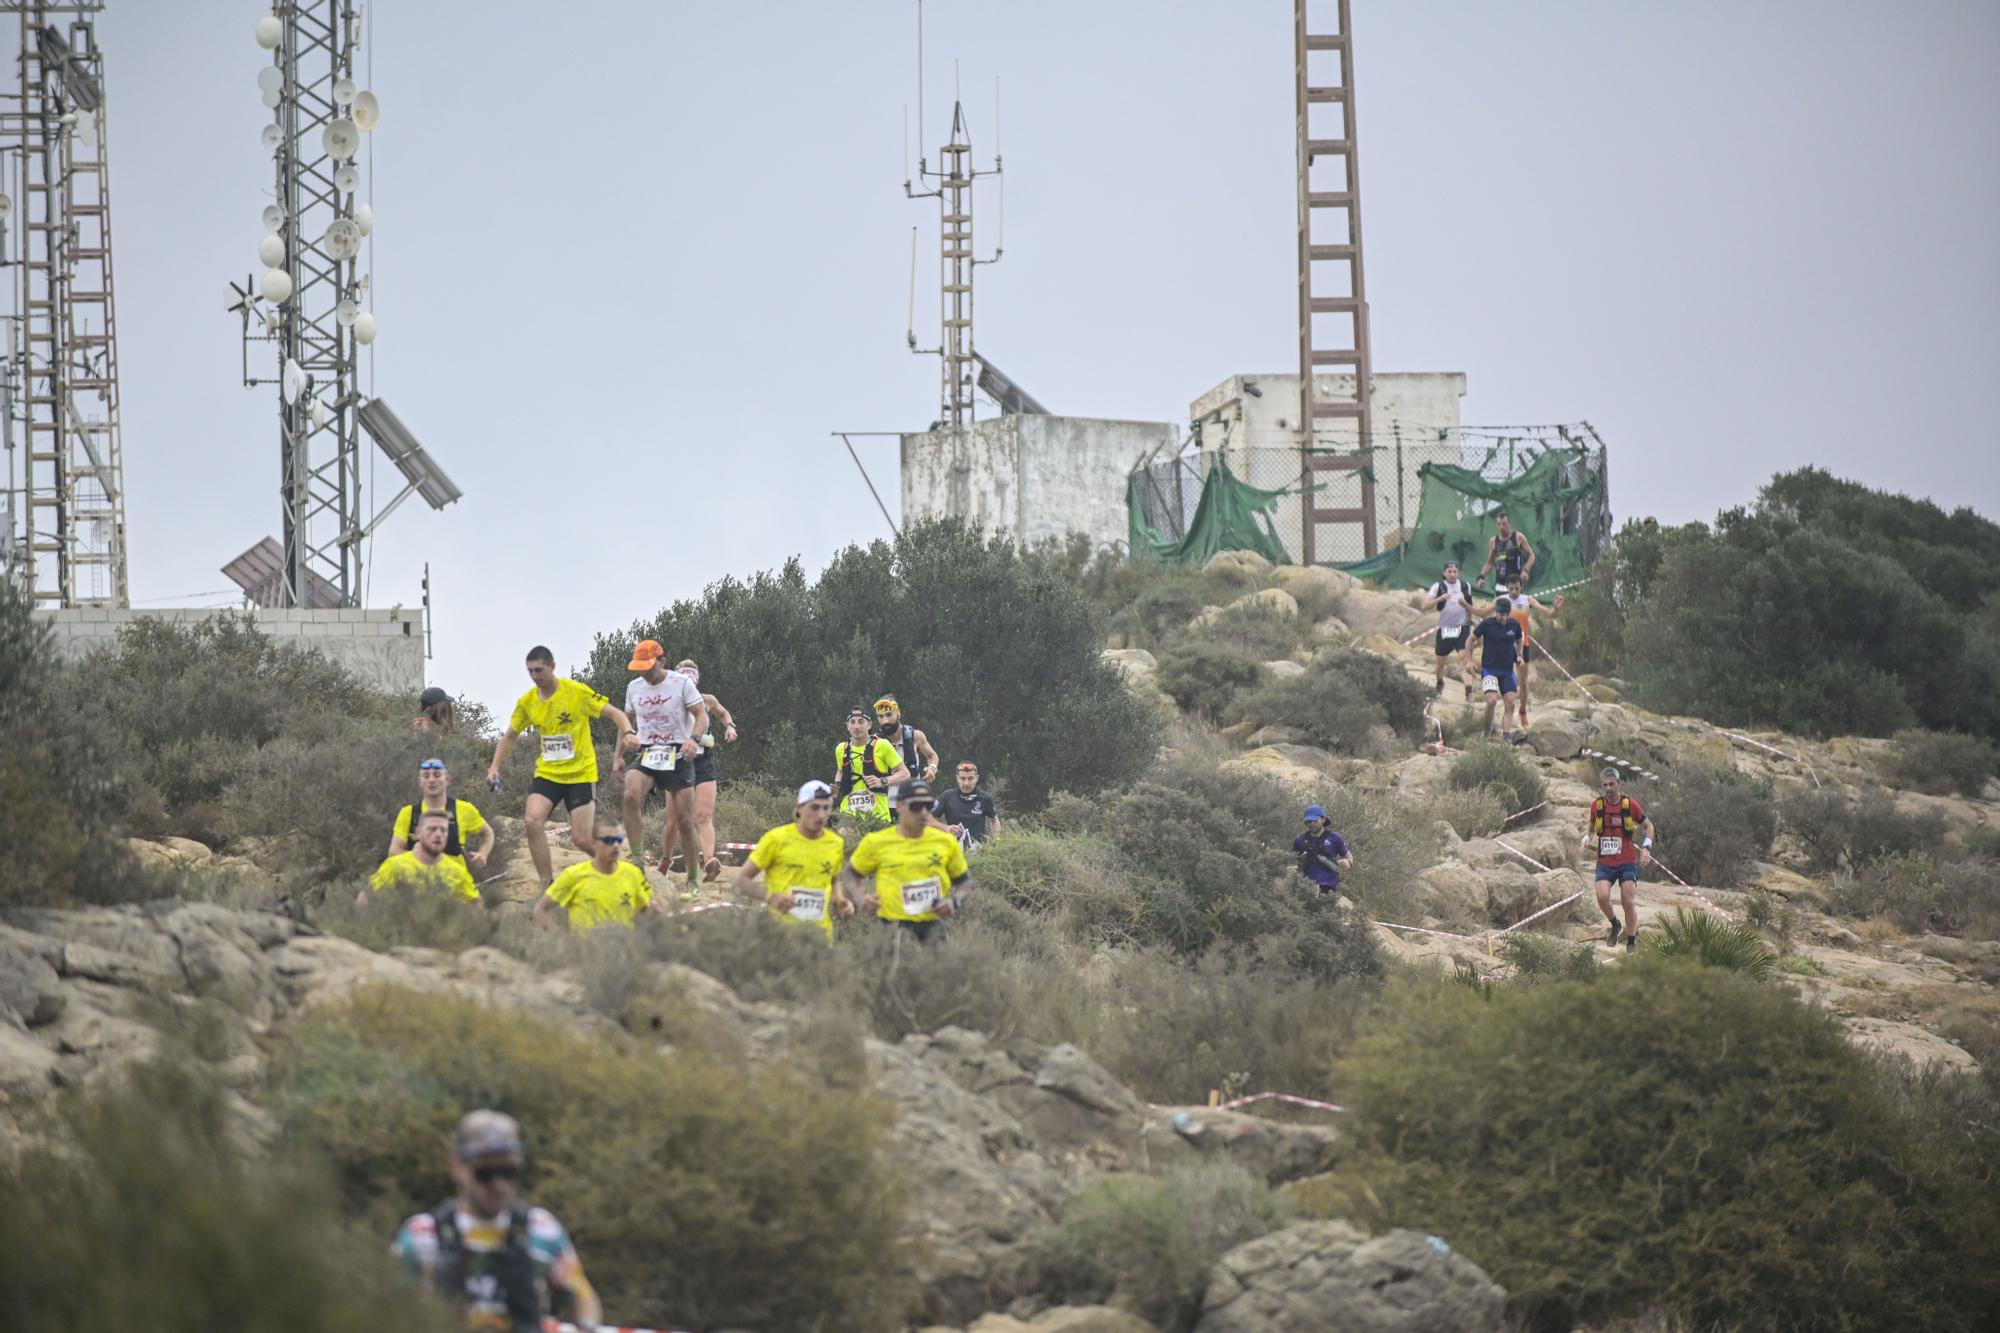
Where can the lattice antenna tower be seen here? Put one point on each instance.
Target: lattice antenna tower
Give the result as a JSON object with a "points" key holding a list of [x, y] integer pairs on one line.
{"points": [[63, 534], [951, 184], [1333, 324]]}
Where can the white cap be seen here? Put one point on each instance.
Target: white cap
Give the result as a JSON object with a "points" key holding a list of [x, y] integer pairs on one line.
{"points": [[814, 791]]}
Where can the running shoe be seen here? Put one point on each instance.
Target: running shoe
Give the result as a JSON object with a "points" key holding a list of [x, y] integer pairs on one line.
{"points": [[1611, 935], [1631, 942], [711, 870]]}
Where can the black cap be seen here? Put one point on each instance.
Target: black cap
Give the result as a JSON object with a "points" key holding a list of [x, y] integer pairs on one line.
{"points": [[432, 697], [914, 789]]}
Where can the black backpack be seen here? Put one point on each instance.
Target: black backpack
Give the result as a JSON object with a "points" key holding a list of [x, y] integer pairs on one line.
{"points": [[510, 1270], [452, 846]]}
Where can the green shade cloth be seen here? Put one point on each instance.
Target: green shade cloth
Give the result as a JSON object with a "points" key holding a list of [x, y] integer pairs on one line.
{"points": [[1231, 515]]}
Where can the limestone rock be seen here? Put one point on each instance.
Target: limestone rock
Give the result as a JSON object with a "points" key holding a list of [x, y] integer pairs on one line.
{"points": [[1396, 617], [1065, 1319], [1555, 735], [1294, 577], [1316, 1276], [1275, 599], [1245, 564], [1140, 671], [1453, 891], [27, 1068], [1277, 734], [1331, 629], [1276, 761], [31, 993], [1278, 1151], [1285, 667]]}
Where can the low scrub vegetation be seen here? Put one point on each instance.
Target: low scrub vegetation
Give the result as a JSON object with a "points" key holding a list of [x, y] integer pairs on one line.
{"points": [[1941, 762], [1206, 678], [1713, 823], [1348, 700], [1466, 1104], [1501, 769], [1838, 830], [1714, 941]]}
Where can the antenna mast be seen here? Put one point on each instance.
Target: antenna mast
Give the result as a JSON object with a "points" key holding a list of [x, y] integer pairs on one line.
{"points": [[951, 184], [62, 512], [309, 306], [1335, 205]]}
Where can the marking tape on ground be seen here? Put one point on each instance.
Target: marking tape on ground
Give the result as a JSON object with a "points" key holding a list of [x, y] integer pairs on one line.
{"points": [[1426, 930], [1560, 667], [1544, 912], [707, 907], [1712, 904], [1622, 763], [1524, 856], [1799, 758], [1286, 1097], [1518, 813]]}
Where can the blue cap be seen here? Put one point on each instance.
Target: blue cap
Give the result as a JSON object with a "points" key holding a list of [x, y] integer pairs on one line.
{"points": [[1314, 812]]}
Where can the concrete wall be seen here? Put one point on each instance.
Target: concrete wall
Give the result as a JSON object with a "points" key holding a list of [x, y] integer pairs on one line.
{"points": [[1419, 412], [1031, 477], [384, 648]]}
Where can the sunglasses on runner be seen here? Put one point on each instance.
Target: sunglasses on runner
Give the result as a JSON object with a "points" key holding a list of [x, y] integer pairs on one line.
{"points": [[919, 805], [486, 1175], [430, 764], [612, 840]]}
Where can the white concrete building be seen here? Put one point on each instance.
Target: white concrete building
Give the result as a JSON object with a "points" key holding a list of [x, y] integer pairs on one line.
{"points": [[384, 649], [1031, 476], [1252, 421]]}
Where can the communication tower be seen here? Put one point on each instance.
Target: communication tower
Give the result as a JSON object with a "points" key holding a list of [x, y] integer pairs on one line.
{"points": [[62, 512], [951, 184], [310, 310]]}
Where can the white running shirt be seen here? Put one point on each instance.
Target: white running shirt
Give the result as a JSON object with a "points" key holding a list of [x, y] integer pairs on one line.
{"points": [[1450, 614], [664, 712]]}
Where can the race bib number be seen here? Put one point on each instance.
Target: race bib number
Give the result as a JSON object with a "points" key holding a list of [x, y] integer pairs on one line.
{"points": [[558, 749], [1610, 846], [662, 756], [1450, 631], [808, 905], [1490, 684], [920, 897], [861, 801]]}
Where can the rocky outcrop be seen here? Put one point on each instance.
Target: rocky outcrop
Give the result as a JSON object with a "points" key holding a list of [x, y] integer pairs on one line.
{"points": [[1317, 1276]]}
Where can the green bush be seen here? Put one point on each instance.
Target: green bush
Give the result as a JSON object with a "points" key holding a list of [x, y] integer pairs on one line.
{"points": [[1501, 768], [1714, 941], [1538, 957], [1078, 878], [1716, 822], [1589, 636], [139, 1210], [1836, 830], [1983, 842], [1206, 678], [1257, 629], [1148, 1243], [687, 1181], [1164, 610], [994, 655], [60, 795], [1553, 1132], [1771, 916], [1941, 762], [1342, 701], [1922, 895]]}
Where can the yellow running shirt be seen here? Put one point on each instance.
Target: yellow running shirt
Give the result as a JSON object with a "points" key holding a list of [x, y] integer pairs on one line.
{"points": [[470, 821], [404, 870], [912, 875], [595, 899], [563, 721], [803, 867], [850, 763]]}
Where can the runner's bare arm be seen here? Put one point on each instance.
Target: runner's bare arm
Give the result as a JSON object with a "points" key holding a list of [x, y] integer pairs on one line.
{"points": [[1528, 567], [928, 755], [960, 886], [715, 710], [500, 753], [544, 913], [627, 737], [482, 847], [748, 888], [698, 724], [1492, 548]]}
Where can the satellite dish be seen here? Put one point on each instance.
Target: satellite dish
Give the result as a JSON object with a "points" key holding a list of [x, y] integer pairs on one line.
{"points": [[364, 328], [271, 250], [269, 32], [274, 217], [343, 91], [276, 286], [341, 140], [318, 413], [343, 238], [6, 207], [346, 311], [294, 382], [270, 98], [273, 136], [364, 218], [346, 179], [367, 110], [271, 79]]}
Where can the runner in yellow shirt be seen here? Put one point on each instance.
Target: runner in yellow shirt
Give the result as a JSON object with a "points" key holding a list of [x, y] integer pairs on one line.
{"points": [[468, 837], [919, 869], [560, 711], [605, 890], [424, 865], [865, 767], [799, 862]]}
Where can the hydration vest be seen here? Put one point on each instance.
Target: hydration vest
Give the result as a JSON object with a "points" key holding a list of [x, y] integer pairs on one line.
{"points": [[1507, 556], [907, 745], [504, 1277], [849, 774], [1597, 816], [452, 846]]}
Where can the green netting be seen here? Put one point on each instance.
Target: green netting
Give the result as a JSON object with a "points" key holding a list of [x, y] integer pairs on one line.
{"points": [[1557, 502], [1231, 515]]}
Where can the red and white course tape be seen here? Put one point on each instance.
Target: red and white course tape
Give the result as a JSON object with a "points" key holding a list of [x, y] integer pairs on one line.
{"points": [[1286, 1097]]}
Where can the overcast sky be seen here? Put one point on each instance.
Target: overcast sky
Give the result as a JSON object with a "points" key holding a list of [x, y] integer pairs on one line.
{"points": [[635, 261]]}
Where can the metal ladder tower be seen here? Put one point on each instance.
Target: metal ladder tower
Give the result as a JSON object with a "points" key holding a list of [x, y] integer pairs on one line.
{"points": [[1330, 233], [62, 356]]}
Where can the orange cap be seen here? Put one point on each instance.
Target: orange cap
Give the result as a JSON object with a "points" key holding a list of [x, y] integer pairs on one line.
{"points": [[645, 656]]}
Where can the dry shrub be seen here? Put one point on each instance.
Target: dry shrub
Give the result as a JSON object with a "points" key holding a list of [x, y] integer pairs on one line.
{"points": [[1941, 762]]}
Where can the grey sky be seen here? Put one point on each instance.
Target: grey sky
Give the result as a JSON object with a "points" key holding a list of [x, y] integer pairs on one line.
{"points": [[636, 261]]}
